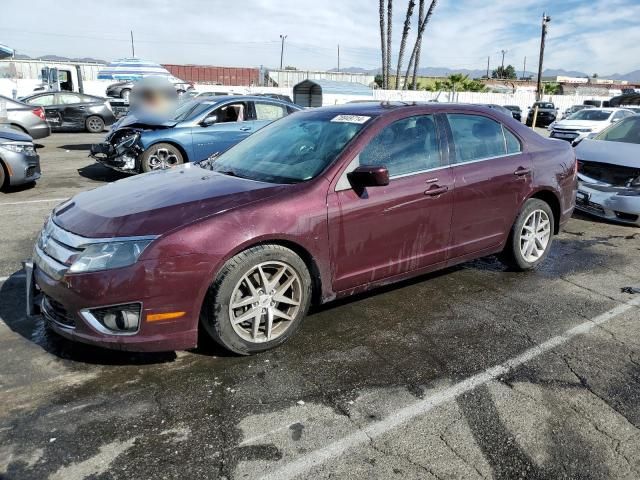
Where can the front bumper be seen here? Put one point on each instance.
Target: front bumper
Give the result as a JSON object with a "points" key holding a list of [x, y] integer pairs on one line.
{"points": [[118, 157], [569, 135], [159, 286], [21, 168], [617, 204]]}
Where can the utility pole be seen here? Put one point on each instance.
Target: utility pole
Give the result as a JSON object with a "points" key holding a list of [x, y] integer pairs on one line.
{"points": [[282, 38], [133, 49], [545, 20], [489, 57], [338, 58], [524, 68], [502, 70]]}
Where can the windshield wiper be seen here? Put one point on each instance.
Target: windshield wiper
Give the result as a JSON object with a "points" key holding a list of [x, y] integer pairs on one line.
{"points": [[231, 173]]}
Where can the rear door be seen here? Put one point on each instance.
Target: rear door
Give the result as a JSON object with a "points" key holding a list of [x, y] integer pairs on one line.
{"points": [[492, 176], [233, 123], [73, 109], [387, 231]]}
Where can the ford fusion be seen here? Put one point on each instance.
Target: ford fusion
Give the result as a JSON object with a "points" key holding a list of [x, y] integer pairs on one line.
{"points": [[319, 205]]}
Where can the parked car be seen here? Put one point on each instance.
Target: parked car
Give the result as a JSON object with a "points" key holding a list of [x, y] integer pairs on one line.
{"points": [[73, 111], [197, 129], [547, 113], [574, 109], [284, 98], [586, 122], [319, 205], [123, 89], [19, 161], [635, 110], [194, 93], [515, 111], [609, 172], [501, 109], [24, 118]]}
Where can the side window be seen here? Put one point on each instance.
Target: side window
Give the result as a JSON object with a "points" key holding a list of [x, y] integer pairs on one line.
{"points": [[269, 111], [513, 144], [476, 137], [68, 98], [234, 112], [42, 101], [406, 146]]}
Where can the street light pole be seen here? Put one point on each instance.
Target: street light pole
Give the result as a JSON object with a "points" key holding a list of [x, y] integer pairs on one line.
{"points": [[133, 48], [282, 38], [545, 20], [502, 69]]}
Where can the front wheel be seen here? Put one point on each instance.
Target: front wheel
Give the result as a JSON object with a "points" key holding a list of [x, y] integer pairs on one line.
{"points": [[258, 299], [531, 236], [161, 156]]}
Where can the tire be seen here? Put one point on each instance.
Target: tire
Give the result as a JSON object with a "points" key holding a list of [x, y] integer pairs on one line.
{"points": [[94, 124], [246, 338], [161, 156], [515, 252], [4, 178], [125, 94]]}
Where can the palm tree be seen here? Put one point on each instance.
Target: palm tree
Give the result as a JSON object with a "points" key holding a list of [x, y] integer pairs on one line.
{"points": [[416, 59], [421, 29], [456, 82], [403, 41], [388, 50], [383, 45]]}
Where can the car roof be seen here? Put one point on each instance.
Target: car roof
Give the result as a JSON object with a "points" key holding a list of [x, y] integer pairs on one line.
{"points": [[224, 98], [376, 107]]}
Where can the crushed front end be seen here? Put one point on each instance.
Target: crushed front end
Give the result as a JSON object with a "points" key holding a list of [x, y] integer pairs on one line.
{"points": [[609, 191], [120, 151]]}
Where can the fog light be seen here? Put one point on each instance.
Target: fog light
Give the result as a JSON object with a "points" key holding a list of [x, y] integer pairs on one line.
{"points": [[119, 318]]}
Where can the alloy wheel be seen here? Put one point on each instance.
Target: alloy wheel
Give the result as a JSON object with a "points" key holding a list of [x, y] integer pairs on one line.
{"points": [[163, 158], [95, 124], [535, 235], [265, 302]]}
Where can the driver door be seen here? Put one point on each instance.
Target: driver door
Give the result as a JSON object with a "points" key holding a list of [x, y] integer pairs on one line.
{"points": [[232, 123], [386, 231]]}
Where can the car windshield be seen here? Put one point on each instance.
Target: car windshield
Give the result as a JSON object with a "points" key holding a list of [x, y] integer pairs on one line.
{"points": [[544, 105], [190, 109], [589, 114], [626, 131], [291, 150]]}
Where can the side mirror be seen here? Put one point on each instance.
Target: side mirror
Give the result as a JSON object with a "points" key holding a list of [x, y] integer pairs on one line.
{"points": [[368, 176], [210, 120]]}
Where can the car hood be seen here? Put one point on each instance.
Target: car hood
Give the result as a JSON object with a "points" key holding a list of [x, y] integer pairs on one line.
{"points": [[615, 153], [9, 135], [144, 121], [576, 124], [158, 202], [118, 84]]}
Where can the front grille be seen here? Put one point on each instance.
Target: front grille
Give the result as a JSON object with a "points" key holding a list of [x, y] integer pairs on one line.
{"points": [[56, 312], [615, 175]]}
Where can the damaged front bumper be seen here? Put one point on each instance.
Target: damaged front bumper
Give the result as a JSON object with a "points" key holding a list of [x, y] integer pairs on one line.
{"points": [[619, 204], [120, 152]]}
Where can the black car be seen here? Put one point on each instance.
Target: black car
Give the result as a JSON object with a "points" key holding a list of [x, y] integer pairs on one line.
{"points": [[123, 89], [73, 111], [547, 114], [515, 111]]}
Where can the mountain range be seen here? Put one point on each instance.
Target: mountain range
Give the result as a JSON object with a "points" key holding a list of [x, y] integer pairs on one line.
{"points": [[444, 72]]}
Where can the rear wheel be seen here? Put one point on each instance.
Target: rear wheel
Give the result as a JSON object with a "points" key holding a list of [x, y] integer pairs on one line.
{"points": [[3, 176], [161, 156], [258, 300], [94, 124], [531, 236]]}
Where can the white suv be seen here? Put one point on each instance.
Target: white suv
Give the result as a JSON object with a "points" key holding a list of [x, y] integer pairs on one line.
{"points": [[585, 122]]}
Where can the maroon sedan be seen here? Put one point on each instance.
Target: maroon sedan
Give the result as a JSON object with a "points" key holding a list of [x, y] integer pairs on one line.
{"points": [[319, 205]]}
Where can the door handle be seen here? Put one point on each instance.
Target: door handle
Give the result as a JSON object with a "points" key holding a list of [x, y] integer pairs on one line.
{"points": [[245, 129], [436, 190], [521, 171]]}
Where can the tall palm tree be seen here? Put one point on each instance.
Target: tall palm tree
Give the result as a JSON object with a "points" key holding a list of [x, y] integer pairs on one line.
{"points": [[421, 29], [416, 60], [388, 50], [383, 45], [403, 41]]}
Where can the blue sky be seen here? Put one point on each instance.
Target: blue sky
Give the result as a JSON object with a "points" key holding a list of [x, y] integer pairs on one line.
{"points": [[597, 36]]}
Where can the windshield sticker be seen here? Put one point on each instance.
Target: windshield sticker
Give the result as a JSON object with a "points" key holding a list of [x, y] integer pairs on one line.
{"points": [[350, 118]]}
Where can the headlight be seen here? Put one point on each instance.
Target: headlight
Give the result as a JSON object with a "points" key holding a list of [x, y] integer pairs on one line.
{"points": [[585, 130], [20, 147], [105, 256]]}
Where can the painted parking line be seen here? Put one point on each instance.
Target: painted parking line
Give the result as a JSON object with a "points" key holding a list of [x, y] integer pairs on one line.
{"points": [[306, 462], [33, 201]]}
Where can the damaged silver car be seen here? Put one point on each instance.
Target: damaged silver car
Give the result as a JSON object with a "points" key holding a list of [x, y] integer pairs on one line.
{"points": [[609, 173]]}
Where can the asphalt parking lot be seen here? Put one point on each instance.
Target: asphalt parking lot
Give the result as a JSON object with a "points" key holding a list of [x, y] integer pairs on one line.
{"points": [[474, 372]]}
